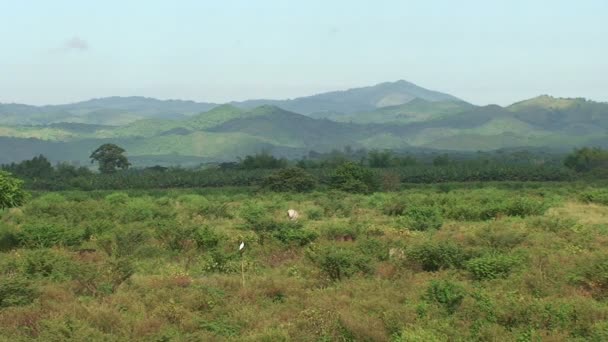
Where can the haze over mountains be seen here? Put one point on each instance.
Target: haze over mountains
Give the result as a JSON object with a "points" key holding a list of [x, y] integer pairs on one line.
{"points": [[397, 115]]}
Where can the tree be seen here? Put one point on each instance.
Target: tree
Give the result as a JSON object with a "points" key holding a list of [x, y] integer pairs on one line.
{"points": [[11, 192], [379, 159], [110, 157], [587, 159], [441, 160], [352, 177], [290, 179]]}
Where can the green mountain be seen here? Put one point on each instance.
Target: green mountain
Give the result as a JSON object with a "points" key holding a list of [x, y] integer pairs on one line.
{"points": [[370, 118], [124, 110], [104, 111], [355, 100]]}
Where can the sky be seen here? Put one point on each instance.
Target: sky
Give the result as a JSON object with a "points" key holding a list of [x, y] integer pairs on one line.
{"points": [[482, 51]]}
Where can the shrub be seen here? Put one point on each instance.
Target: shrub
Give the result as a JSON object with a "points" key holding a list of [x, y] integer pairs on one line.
{"points": [[491, 266], [39, 235], [48, 264], [16, 291], [351, 177], [291, 179], [422, 218], [524, 206], [300, 237], [117, 198], [595, 196], [436, 255], [593, 275], [338, 263], [314, 213], [11, 192], [257, 218], [445, 293]]}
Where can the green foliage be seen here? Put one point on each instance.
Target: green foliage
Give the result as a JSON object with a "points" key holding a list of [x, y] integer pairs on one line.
{"points": [[595, 196], [338, 263], [290, 179], [110, 157], [259, 218], [351, 177], [436, 255], [294, 234], [11, 192], [587, 159], [491, 266], [16, 291], [422, 218], [41, 234], [447, 294], [262, 160], [593, 275]]}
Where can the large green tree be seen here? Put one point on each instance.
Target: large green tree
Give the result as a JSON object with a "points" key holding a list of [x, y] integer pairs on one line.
{"points": [[11, 191], [587, 159], [110, 157]]}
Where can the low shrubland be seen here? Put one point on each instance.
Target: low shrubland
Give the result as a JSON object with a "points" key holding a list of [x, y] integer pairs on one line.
{"points": [[499, 261]]}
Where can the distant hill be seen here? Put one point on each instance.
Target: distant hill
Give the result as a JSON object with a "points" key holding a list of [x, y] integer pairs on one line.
{"points": [[124, 110], [355, 100], [104, 111], [396, 115]]}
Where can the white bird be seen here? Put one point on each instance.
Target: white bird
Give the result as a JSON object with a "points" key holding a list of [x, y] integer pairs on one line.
{"points": [[242, 245]]}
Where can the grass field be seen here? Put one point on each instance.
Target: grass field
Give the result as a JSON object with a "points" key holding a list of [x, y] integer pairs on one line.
{"points": [[458, 262]]}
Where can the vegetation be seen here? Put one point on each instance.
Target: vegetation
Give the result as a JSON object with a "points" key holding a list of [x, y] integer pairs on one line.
{"points": [[110, 157], [500, 261], [11, 192]]}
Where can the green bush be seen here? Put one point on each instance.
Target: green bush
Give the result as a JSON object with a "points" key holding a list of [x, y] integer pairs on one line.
{"points": [[593, 275], [39, 235], [15, 291], [491, 266], [47, 263], [258, 218], [422, 218], [595, 196], [351, 177], [338, 263], [11, 192], [436, 255], [445, 293], [524, 206], [297, 235], [291, 179], [117, 198]]}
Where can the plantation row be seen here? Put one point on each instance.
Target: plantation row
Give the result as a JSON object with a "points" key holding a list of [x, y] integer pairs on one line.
{"points": [[383, 179], [525, 261]]}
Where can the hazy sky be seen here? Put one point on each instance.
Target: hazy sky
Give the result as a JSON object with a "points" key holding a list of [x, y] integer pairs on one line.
{"points": [[479, 50]]}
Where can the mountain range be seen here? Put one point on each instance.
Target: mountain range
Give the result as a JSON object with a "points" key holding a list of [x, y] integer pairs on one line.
{"points": [[393, 115]]}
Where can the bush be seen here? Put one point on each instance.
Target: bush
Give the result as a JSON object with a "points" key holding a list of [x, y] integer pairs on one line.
{"points": [[40, 235], [595, 196], [300, 237], [292, 179], [422, 218], [491, 266], [338, 263], [11, 192], [117, 198], [47, 263], [16, 291], [436, 255], [445, 293], [593, 275], [257, 218], [351, 177]]}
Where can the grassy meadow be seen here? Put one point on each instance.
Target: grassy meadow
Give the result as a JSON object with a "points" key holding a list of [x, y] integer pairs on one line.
{"points": [[450, 262]]}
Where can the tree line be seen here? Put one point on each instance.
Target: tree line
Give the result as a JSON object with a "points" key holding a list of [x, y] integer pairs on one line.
{"points": [[360, 172]]}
